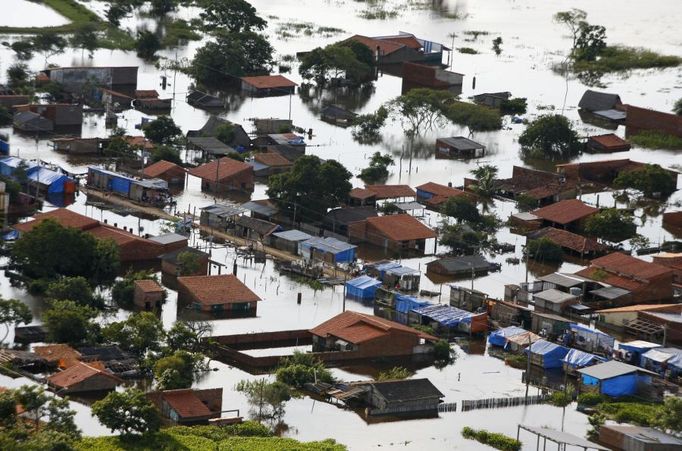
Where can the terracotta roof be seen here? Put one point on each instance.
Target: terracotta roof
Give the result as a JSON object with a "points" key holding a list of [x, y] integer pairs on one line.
{"points": [[78, 373], [594, 273], [62, 354], [566, 211], [610, 140], [401, 227], [272, 159], [160, 167], [387, 47], [406, 40], [361, 193], [357, 328], [216, 290], [149, 286], [146, 94], [269, 81], [120, 237], [391, 191], [139, 141], [227, 167], [639, 308], [66, 218], [185, 403], [569, 240], [441, 190], [629, 266]]}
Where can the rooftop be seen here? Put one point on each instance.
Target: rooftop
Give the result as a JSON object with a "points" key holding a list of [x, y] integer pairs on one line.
{"points": [[221, 169], [598, 101], [66, 218], [272, 159], [168, 238], [357, 328], [78, 373], [401, 227], [186, 403], [639, 308], [609, 140], [645, 434], [611, 369], [149, 286], [269, 82], [218, 289], [461, 143], [159, 168], [629, 266], [569, 240], [407, 390], [390, 191], [554, 296], [63, 354], [292, 235], [258, 225], [565, 211]]}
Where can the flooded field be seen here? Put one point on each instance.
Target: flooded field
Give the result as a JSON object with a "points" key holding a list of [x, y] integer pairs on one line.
{"points": [[532, 45]]}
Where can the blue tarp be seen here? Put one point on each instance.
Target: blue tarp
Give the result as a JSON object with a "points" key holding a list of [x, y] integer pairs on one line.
{"points": [[597, 339], [624, 385], [551, 353], [342, 251], [383, 267], [445, 315], [580, 359], [499, 337], [54, 180], [636, 349], [405, 304], [363, 287], [4, 147], [9, 164]]}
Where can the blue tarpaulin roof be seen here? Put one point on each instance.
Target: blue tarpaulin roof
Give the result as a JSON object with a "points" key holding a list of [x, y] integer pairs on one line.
{"points": [[53, 179], [363, 282], [405, 304], [639, 346], [499, 337], [445, 314], [580, 359], [363, 287], [401, 271], [551, 353]]}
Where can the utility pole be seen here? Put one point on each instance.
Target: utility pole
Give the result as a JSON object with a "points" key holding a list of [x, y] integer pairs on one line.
{"points": [[528, 367]]}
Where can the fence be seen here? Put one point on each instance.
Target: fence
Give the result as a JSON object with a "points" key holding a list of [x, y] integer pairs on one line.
{"points": [[494, 403], [447, 407]]}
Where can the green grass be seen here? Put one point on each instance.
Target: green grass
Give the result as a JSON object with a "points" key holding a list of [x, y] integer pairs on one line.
{"points": [[76, 13], [178, 31], [656, 140], [620, 58], [493, 439], [467, 50], [639, 413]]}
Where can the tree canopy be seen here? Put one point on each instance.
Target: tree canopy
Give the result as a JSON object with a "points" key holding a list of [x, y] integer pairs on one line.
{"points": [[12, 313], [350, 60], [162, 130], [75, 289], [612, 225], [545, 250], [235, 16], [69, 322], [311, 187], [176, 370], [140, 333], [485, 180], [377, 171], [128, 412], [420, 109], [551, 136], [652, 180]]}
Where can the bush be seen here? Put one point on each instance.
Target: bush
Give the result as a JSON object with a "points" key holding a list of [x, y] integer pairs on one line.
{"points": [[620, 58], [545, 250], [551, 136], [653, 139], [493, 439], [517, 105], [560, 399], [652, 180], [518, 361], [590, 399], [395, 373], [477, 117], [467, 50], [612, 225], [302, 368]]}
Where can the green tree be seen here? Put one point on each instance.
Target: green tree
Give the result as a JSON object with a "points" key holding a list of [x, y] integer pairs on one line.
{"points": [[311, 187], [166, 153], [590, 43], [366, 127], [266, 398], [545, 250], [188, 263], [75, 289], [85, 38], [420, 109], [176, 370], [652, 180], [497, 45], [336, 61], [225, 133], [463, 239], [163, 7], [39, 405], [116, 12], [677, 108], [572, 19], [477, 118], [18, 75], [119, 147], [188, 335], [105, 264], [123, 290], [550, 136], [301, 368], [516, 105], [162, 130], [12, 313], [462, 209], [395, 373], [612, 225], [235, 16], [23, 49], [129, 412], [140, 333], [671, 415], [377, 171], [485, 180], [8, 409], [68, 322], [49, 44], [147, 44]]}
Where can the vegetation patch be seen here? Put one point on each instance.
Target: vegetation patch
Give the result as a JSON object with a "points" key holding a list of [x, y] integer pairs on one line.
{"points": [[468, 50], [620, 58], [493, 439], [286, 30], [652, 139], [76, 13]]}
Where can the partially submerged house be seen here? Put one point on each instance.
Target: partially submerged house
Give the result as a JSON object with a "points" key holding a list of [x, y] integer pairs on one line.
{"points": [[59, 114], [148, 294], [119, 78], [604, 105], [492, 99], [338, 219], [240, 138], [446, 320], [401, 48], [268, 85], [60, 355], [337, 115], [266, 164], [566, 214], [146, 191], [394, 232], [328, 250], [254, 229], [542, 186], [613, 378], [28, 121], [606, 144], [467, 298], [220, 216], [165, 170], [209, 146], [289, 240], [600, 173], [403, 397], [554, 301], [626, 437], [463, 266], [362, 287], [433, 195], [546, 354], [642, 119], [619, 317], [199, 99], [218, 294], [82, 378], [416, 75], [569, 241], [459, 147], [188, 406], [225, 174], [172, 263]]}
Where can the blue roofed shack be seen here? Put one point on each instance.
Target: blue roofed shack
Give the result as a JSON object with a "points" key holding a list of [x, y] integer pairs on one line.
{"points": [[289, 240], [662, 360], [500, 336], [546, 354], [576, 359], [405, 303], [109, 181], [445, 319], [363, 287], [50, 182], [614, 378], [329, 250], [631, 352], [591, 340], [9, 164]]}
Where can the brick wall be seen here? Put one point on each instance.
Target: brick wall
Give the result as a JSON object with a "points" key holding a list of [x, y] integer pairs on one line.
{"points": [[639, 119]]}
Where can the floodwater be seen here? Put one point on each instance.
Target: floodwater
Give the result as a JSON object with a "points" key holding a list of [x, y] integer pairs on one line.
{"points": [[22, 13], [532, 44]]}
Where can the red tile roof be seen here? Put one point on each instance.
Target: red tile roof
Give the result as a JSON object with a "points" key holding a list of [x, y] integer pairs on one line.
{"points": [[361, 193], [139, 141], [66, 218], [391, 191], [149, 286], [629, 266], [356, 328], [159, 168], [387, 47], [441, 190], [269, 82], [63, 354], [569, 240], [642, 308], [272, 159], [76, 374], [599, 275], [610, 141], [565, 212], [217, 290], [146, 94], [185, 403], [226, 168], [401, 227], [406, 40]]}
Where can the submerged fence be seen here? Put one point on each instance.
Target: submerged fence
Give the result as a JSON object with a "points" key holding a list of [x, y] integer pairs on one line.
{"points": [[493, 403]]}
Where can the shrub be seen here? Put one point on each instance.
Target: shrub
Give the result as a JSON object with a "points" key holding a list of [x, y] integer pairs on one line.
{"points": [[544, 249], [395, 373], [551, 136], [493, 439], [560, 399], [518, 361], [517, 105], [477, 117], [652, 180], [467, 50], [590, 399]]}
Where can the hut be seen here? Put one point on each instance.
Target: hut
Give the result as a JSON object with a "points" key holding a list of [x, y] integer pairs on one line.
{"points": [[554, 301], [148, 294], [336, 115], [395, 232], [546, 354], [632, 351], [458, 147], [613, 378], [500, 336], [188, 406], [492, 99], [254, 229], [362, 287], [591, 340], [328, 250], [446, 319], [82, 378], [173, 265], [266, 164], [549, 325], [404, 397], [467, 299], [45, 181], [606, 144], [220, 216], [577, 359], [464, 266], [225, 174], [402, 278], [289, 240], [217, 294]]}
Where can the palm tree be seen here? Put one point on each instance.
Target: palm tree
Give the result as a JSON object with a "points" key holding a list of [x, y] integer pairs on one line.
{"points": [[485, 180]]}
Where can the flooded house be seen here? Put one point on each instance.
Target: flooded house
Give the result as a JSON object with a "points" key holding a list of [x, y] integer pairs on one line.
{"points": [[401, 48], [577, 359], [240, 138], [637, 438], [492, 99], [505, 314], [394, 232], [114, 360], [199, 99], [554, 301], [434, 195], [225, 174], [59, 355], [220, 216], [61, 115], [632, 351], [209, 146], [619, 317], [362, 287], [546, 354], [643, 119], [266, 164], [459, 147], [337, 220], [218, 294], [603, 105], [148, 294], [188, 406], [463, 266], [448, 321], [290, 145], [147, 191], [542, 186], [416, 75], [368, 336], [172, 262], [148, 100], [261, 209], [371, 194], [328, 250], [569, 214], [80, 146], [600, 173], [28, 121], [412, 397], [289, 240], [83, 378], [170, 241], [614, 378], [267, 85], [467, 299], [570, 242], [549, 325], [74, 79], [254, 229], [165, 170], [337, 115], [606, 144], [672, 260]]}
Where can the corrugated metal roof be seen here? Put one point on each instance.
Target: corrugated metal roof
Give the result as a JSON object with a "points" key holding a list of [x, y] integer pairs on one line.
{"points": [[293, 235], [611, 369]]}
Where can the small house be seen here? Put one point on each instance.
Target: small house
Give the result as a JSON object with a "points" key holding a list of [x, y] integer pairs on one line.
{"points": [[507, 313], [150, 191], [225, 174], [28, 121], [402, 278], [546, 354], [43, 182], [75, 79], [82, 378], [433, 195], [663, 361], [626, 437], [613, 378], [338, 219], [165, 170], [459, 147], [148, 294], [261, 209], [447, 320], [467, 299], [566, 214], [61, 355], [591, 340], [549, 325], [417, 75], [569, 241], [240, 139], [554, 301], [199, 99], [59, 114], [632, 351], [113, 359], [172, 263], [268, 85], [542, 187], [500, 336], [266, 164], [329, 250], [220, 216], [492, 99], [188, 406], [401, 48], [218, 294], [403, 397], [170, 241], [394, 232], [254, 229], [577, 359], [336, 115], [464, 266], [618, 317], [602, 104], [266, 126], [362, 287], [210, 147], [606, 144], [289, 240]]}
